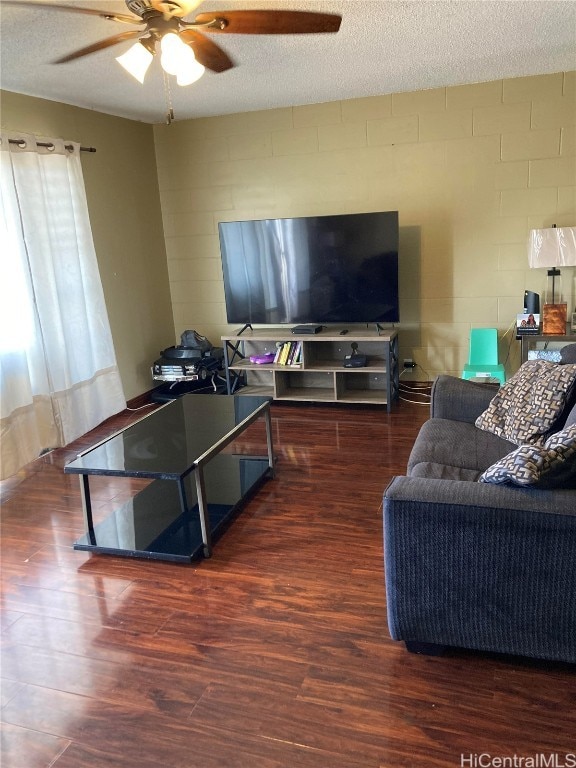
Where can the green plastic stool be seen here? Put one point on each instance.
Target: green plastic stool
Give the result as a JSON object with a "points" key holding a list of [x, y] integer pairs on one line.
{"points": [[483, 356]]}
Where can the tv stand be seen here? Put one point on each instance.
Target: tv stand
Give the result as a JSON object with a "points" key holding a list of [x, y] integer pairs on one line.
{"points": [[380, 328], [244, 328], [321, 375]]}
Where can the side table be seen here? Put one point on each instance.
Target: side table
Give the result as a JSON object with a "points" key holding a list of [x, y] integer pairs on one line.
{"points": [[531, 341]]}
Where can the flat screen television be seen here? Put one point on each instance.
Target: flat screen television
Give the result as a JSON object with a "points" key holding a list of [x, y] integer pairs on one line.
{"points": [[314, 269]]}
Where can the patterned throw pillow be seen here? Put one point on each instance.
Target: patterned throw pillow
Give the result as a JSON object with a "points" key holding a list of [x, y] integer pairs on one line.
{"points": [[526, 407], [553, 464]]}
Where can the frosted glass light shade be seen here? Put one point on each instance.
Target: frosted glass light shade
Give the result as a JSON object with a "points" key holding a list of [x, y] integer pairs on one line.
{"points": [[178, 59], [136, 61], [189, 74], [552, 247]]}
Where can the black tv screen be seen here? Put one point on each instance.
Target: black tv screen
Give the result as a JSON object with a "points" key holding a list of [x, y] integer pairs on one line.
{"points": [[316, 269]]}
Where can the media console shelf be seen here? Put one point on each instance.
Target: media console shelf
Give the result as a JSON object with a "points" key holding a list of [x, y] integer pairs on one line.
{"points": [[321, 376]]}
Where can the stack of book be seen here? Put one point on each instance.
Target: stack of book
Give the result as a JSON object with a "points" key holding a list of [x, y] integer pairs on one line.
{"points": [[289, 353]]}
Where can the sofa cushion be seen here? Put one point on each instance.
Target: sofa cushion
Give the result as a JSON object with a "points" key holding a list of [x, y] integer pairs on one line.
{"points": [[550, 465], [528, 406], [432, 471], [568, 354], [457, 444]]}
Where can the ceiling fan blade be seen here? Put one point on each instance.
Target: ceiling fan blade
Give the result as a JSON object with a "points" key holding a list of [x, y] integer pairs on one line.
{"points": [[122, 17], [107, 43], [272, 22], [206, 52]]}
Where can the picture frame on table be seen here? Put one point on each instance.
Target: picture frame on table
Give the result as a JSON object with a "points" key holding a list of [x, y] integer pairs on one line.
{"points": [[527, 323]]}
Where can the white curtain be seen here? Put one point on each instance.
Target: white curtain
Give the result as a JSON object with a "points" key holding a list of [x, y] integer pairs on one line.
{"points": [[58, 373]]}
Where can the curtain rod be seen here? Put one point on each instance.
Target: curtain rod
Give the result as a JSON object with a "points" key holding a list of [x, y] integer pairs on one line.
{"points": [[48, 144]]}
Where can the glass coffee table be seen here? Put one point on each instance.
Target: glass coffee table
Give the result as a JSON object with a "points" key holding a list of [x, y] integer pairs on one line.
{"points": [[196, 484]]}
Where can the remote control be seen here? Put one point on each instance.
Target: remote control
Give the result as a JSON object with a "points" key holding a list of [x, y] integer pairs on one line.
{"points": [[344, 332]]}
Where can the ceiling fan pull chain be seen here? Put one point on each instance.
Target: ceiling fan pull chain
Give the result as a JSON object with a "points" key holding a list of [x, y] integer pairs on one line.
{"points": [[168, 96]]}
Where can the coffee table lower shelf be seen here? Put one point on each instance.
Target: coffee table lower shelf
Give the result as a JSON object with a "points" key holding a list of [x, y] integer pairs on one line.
{"points": [[152, 526]]}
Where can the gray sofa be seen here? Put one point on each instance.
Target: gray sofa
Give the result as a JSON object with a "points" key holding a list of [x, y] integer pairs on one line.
{"points": [[471, 564]]}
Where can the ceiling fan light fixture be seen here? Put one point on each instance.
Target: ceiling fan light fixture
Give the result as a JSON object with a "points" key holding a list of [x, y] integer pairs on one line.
{"points": [[178, 59], [190, 73], [136, 61]]}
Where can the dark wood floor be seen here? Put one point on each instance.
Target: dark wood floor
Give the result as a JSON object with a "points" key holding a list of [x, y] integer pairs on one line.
{"points": [[274, 653]]}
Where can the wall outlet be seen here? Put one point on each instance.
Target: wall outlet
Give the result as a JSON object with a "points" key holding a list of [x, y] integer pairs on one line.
{"points": [[409, 363]]}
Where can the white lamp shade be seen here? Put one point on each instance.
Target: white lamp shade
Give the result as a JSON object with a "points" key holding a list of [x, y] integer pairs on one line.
{"points": [[552, 247], [136, 61]]}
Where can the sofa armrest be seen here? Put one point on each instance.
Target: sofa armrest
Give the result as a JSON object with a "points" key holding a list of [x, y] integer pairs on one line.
{"points": [[483, 497], [479, 566], [458, 399]]}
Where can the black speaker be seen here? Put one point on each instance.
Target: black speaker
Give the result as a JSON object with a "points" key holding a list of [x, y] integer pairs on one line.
{"points": [[531, 303]]}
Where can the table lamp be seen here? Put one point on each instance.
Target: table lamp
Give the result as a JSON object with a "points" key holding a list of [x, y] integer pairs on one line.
{"points": [[553, 247]]}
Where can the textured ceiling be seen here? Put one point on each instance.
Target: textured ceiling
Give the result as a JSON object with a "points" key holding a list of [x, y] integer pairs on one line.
{"points": [[382, 47]]}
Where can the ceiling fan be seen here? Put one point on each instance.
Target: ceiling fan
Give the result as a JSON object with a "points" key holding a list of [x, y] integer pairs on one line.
{"points": [[185, 48]]}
